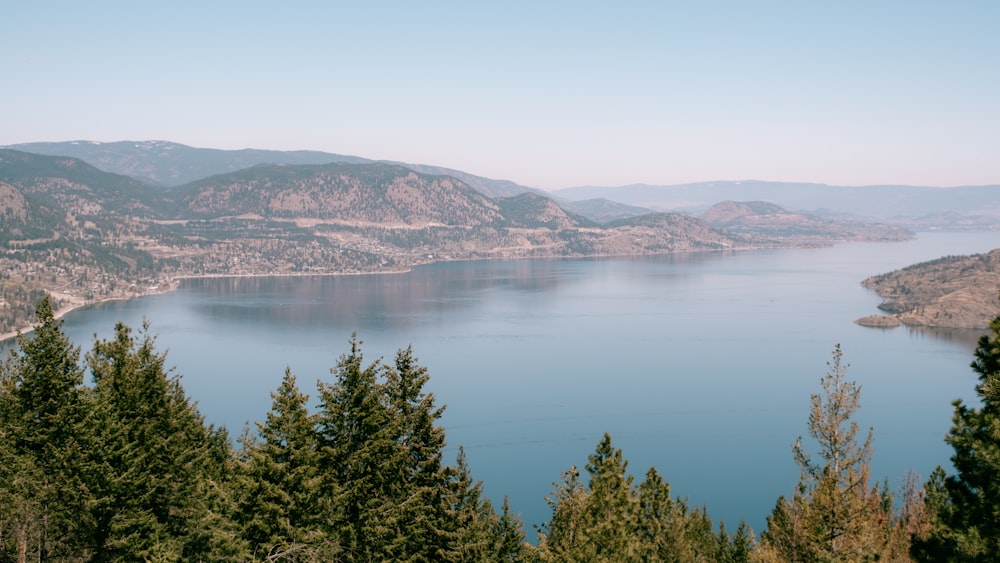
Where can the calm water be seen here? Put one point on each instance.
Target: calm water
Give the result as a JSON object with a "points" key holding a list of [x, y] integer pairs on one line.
{"points": [[700, 364]]}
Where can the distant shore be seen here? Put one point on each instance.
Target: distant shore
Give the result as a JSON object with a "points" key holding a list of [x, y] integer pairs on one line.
{"points": [[74, 302]]}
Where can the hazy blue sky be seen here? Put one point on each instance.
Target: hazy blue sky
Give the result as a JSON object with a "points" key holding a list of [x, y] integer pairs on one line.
{"points": [[547, 94]]}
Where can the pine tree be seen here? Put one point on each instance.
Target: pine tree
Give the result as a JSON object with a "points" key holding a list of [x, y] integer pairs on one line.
{"points": [[669, 530], [835, 514], [508, 536], [608, 514], [610, 520], [596, 522], [965, 507], [357, 431], [423, 480], [387, 494], [41, 444], [279, 484], [158, 473], [562, 538], [475, 520]]}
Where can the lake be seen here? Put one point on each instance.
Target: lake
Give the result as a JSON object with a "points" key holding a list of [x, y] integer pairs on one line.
{"points": [[700, 364]]}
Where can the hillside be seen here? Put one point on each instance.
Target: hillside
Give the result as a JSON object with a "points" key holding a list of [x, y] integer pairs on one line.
{"points": [[486, 186], [950, 292], [603, 210], [173, 164], [765, 222], [74, 185], [374, 193], [85, 235]]}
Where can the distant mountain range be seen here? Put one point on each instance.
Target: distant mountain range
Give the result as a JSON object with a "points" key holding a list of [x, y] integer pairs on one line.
{"points": [[170, 164], [913, 206]]}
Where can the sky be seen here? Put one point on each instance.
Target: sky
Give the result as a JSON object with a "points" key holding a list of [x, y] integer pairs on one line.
{"points": [[547, 94]]}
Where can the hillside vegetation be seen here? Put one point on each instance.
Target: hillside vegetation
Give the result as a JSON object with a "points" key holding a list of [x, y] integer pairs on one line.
{"points": [[950, 292]]}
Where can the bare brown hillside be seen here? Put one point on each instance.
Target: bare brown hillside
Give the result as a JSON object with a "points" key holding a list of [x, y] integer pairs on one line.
{"points": [[950, 292]]}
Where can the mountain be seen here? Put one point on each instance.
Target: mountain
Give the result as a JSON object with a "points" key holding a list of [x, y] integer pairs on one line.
{"points": [[530, 210], [730, 213], [375, 193], [73, 185], [670, 232], [950, 292], [172, 164], [602, 210], [403, 216], [486, 186], [762, 221], [901, 204]]}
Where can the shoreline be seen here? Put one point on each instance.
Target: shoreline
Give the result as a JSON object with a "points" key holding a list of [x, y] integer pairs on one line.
{"points": [[174, 283], [75, 302]]}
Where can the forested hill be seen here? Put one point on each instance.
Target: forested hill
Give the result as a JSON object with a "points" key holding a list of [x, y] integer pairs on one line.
{"points": [[73, 186], [368, 194], [950, 292], [172, 164]]}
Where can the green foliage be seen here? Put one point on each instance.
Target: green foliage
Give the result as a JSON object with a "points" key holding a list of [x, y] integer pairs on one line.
{"points": [[835, 514], [41, 451], [386, 493], [278, 482], [609, 519], [965, 507], [158, 471]]}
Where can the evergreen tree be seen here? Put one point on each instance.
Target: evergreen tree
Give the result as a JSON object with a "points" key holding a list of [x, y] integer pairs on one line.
{"points": [[834, 514], [596, 522], [473, 516], [41, 449], [965, 507], [479, 533], [508, 536], [422, 485], [158, 472], [279, 485], [359, 460], [610, 520], [608, 513], [385, 493], [669, 531], [562, 538], [737, 548]]}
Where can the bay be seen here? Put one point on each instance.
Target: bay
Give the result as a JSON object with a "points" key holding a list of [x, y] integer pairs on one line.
{"points": [[699, 364]]}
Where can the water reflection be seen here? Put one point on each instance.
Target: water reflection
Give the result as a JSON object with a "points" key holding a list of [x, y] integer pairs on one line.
{"points": [[965, 337]]}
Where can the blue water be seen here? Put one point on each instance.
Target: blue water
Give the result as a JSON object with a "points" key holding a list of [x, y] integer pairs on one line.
{"points": [[699, 364]]}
